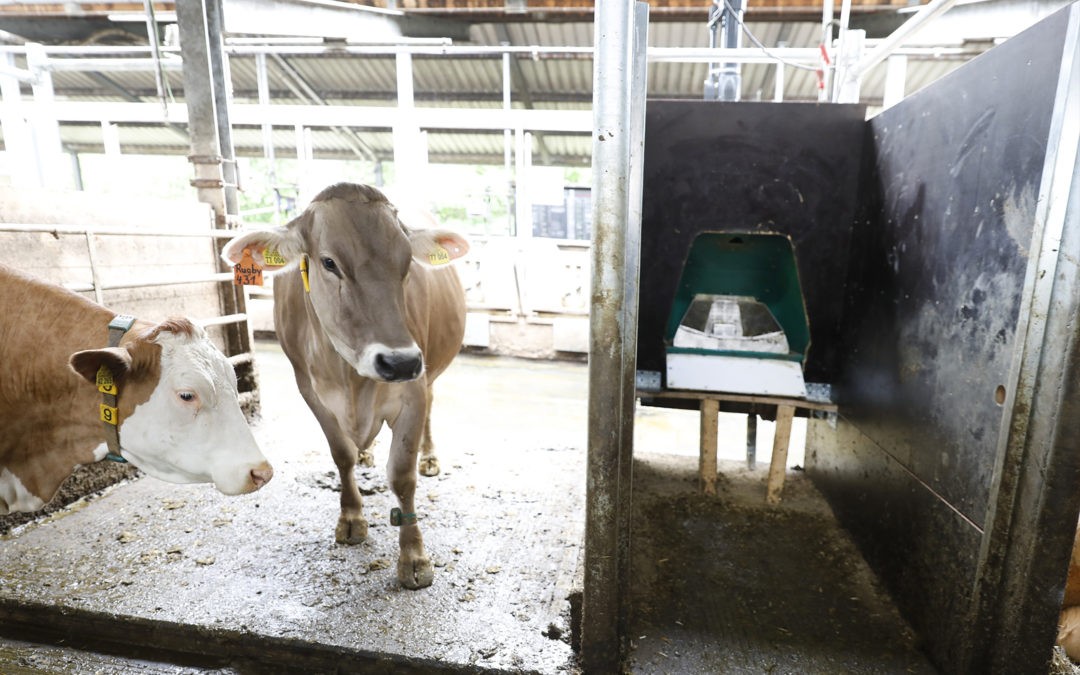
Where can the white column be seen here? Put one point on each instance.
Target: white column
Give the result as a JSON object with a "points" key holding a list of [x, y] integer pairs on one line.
{"points": [[895, 79], [410, 164], [54, 169], [21, 160]]}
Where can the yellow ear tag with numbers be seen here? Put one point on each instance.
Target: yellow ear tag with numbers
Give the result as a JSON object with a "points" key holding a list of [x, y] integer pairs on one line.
{"points": [[104, 380], [304, 274], [273, 259], [439, 256]]}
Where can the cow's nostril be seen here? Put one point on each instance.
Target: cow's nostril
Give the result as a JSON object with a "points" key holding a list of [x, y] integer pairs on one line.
{"points": [[398, 367], [261, 475]]}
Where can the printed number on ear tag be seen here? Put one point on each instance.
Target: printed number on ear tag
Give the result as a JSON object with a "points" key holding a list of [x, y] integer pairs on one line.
{"points": [[108, 414], [273, 258], [439, 256], [247, 272], [104, 381]]}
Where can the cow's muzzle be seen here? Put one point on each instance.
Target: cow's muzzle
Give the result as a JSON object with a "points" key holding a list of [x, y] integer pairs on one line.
{"points": [[399, 366]]}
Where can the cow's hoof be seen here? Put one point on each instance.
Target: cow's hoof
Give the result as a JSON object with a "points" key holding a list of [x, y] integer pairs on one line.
{"points": [[415, 573], [429, 466], [351, 531], [365, 458]]}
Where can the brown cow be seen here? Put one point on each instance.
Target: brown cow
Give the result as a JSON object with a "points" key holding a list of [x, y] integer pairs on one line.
{"points": [[367, 329], [175, 402]]}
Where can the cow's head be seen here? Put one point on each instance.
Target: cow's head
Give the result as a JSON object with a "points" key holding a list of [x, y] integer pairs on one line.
{"points": [[180, 417], [357, 254]]}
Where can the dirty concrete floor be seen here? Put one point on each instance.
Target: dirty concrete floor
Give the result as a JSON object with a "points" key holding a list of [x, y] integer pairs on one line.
{"points": [[726, 584], [257, 582], [161, 579]]}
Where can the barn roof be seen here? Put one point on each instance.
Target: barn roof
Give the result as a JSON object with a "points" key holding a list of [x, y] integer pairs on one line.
{"points": [[332, 54]]}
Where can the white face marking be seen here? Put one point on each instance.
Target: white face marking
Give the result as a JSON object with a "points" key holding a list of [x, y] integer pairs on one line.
{"points": [[14, 496], [191, 430]]}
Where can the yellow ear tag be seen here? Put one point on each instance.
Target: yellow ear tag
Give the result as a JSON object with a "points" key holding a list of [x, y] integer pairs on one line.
{"points": [[439, 256], [104, 380], [247, 272], [273, 258], [303, 274]]}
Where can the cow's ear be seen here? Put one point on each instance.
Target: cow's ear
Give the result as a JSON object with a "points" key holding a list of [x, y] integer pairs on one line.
{"points": [[437, 247], [271, 249], [88, 363]]}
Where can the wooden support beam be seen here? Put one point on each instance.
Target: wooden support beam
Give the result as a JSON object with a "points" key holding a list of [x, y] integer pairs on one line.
{"points": [[708, 440], [778, 467]]}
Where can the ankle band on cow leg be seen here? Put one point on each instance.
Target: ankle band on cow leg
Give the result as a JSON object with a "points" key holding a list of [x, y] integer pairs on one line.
{"points": [[397, 518]]}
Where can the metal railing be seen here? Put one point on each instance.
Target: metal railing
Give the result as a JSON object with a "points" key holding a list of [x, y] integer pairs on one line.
{"points": [[98, 286]]}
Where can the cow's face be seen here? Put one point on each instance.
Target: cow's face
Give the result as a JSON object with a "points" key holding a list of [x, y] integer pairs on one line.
{"points": [[358, 256], [180, 417]]}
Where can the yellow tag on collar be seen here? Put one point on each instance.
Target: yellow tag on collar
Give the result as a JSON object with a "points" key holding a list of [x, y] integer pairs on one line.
{"points": [[108, 414], [304, 275], [439, 256], [273, 258], [104, 380]]}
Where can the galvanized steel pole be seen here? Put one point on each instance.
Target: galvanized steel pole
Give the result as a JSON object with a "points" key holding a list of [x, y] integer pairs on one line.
{"points": [[609, 324]]}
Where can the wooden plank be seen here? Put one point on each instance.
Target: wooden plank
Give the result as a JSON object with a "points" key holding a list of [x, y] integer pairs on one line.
{"points": [[708, 442], [778, 467], [741, 398]]}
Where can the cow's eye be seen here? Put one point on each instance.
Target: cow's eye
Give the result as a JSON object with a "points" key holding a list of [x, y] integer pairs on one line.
{"points": [[187, 396], [329, 265]]}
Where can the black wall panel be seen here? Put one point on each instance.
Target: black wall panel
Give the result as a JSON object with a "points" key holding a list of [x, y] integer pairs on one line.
{"points": [[785, 168], [939, 257]]}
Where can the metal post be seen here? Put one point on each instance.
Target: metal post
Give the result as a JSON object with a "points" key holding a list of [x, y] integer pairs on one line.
{"points": [[849, 53], [522, 218], [508, 136], [827, 11], [222, 90], [205, 149], [631, 277], [751, 441], [215, 181], [725, 82], [610, 324], [262, 81]]}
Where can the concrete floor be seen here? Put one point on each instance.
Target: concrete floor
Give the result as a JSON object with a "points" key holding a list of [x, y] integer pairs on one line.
{"points": [[157, 578]]}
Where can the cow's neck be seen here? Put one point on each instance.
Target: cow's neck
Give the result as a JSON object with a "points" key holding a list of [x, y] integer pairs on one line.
{"points": [[55, 425]]}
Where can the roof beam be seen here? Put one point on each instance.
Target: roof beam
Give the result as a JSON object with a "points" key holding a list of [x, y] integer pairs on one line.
{"points": [[302, 90], [335, 20]]}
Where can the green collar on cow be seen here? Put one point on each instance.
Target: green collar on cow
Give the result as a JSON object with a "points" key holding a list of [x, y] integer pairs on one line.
{"points": [[120, 324]]}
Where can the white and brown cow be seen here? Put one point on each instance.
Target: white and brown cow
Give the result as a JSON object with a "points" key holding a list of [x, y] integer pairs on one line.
{"points": [[176, 401], [369, 314]]}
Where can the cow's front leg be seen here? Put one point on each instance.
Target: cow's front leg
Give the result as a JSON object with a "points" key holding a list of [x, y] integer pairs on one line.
{"points": [[414, 568], [352, 528], [429, 463]]}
